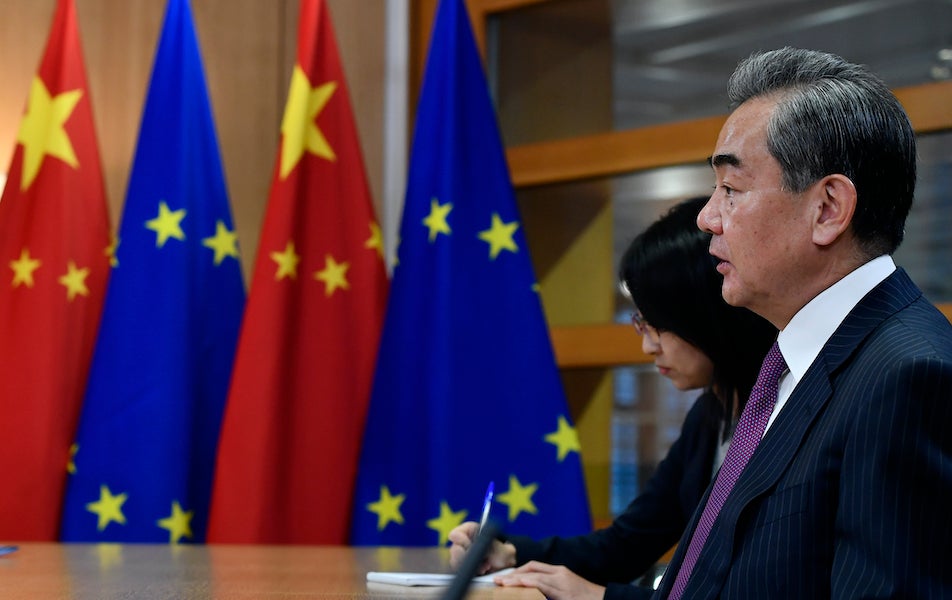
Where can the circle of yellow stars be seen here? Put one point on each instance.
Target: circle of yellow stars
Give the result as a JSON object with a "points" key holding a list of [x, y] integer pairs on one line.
{"points": [[518, 498], [499, 236], [167, 225], [108, 509]]}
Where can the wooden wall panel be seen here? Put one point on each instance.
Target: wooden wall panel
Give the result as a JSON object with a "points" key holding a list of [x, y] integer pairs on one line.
{"points": [[360, 28]]}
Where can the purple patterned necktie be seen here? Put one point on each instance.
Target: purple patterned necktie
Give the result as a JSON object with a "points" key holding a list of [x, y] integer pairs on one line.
{"points": [[750, 428]]}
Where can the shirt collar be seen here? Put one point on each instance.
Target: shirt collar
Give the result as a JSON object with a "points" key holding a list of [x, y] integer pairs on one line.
{"points": [[806, 333]]}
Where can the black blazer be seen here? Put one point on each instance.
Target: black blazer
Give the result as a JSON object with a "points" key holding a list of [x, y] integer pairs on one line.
{"points": [[652, 523], [849, 494]]}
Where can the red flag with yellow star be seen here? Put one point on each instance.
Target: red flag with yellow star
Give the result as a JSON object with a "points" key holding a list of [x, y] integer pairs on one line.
{"points": [[54, 233], [294, 421]]}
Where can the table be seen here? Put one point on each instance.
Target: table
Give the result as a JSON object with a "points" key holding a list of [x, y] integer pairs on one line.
{"points": [[48, 571]]}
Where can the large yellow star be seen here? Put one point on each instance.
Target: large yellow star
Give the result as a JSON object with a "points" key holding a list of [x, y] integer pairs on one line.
{"points": [[519, 498], [108, 508], [75, 281], [23, 268], [42, 131], [224, 243], [334, 275], [375, 241], [387, 508], [436, 220], [299, 124], [499, 237], [565, 438], [287, 262], [168, 224], [178, 523], [445, 523]]}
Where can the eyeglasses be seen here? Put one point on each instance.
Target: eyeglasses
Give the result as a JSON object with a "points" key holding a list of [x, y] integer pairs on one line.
{"points": [[645, 329]]}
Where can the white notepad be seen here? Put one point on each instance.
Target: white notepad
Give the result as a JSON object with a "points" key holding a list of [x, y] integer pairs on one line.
{"points": [[424, 579]]}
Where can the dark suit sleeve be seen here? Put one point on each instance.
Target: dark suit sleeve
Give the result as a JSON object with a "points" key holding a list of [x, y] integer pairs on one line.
{"points": [[894, 522], [653, 522]]}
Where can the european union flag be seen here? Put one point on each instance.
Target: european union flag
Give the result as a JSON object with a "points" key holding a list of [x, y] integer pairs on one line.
{"points": [[466, 389], [145, 450]]}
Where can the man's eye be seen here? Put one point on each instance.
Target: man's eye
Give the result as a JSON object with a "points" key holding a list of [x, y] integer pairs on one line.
{"points": [[727, 189]]}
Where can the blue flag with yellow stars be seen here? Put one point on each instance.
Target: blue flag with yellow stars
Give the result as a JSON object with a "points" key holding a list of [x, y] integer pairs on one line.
{"points": [[466, 390], [142, 464]]}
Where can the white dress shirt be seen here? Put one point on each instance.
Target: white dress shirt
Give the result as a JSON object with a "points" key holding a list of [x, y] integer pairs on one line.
{"points": [[807, 332]]}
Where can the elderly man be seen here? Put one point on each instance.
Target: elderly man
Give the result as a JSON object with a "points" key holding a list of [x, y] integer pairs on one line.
{"points": [[838, 482]]}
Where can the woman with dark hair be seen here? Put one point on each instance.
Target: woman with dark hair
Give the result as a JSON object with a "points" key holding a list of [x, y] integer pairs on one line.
{"points": [[698, 341]]}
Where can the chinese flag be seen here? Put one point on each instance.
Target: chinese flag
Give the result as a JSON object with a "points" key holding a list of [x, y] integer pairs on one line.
{"points": [[294, 420], [54, 233]]}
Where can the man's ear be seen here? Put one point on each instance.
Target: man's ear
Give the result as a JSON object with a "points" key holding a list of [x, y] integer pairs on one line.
{"points": [[836, 201]]}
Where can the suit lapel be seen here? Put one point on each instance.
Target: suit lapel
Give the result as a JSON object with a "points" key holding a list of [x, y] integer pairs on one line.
{"points": [[812, 393]]}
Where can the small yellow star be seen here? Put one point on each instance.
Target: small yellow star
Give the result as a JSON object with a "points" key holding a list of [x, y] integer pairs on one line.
{"points": [[499, 237], [519, 498], [334, 275], [565, 438], [111, 251], [224, 243], [108, 508], [168, 224], [299, 125], [43, 132], [445, 523], [375, 241], [436, 220], [178, 523], [75, 281], [71, 463], [387, 508], [287, 262], [23, 268]]}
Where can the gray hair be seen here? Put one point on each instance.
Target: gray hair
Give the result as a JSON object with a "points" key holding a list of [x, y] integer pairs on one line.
{"points": [[833, 117]]}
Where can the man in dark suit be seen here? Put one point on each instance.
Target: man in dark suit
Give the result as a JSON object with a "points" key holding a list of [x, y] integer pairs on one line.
{"points": [[849, 492]]}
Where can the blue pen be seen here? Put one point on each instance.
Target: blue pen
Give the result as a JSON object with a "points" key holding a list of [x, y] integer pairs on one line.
{"points": [[7, 550], [487, 504]]}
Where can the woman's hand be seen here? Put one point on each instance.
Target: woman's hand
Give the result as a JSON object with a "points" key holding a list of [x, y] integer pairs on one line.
{"points": [[555, 582], [500, 556]]}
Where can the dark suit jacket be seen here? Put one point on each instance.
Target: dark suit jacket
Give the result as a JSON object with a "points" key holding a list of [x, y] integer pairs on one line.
{"points": [[652, 523], [849, 494]]}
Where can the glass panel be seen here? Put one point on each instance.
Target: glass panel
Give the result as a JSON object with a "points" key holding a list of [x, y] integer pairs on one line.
{"points": [[646, 421], [624, 64], [926, 251]]}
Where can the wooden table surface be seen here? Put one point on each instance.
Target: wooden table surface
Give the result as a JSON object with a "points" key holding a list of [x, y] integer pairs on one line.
{"points": [[38, 571]]}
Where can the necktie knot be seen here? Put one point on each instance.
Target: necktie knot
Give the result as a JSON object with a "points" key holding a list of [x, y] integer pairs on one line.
{"points": [[772, 368]]}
